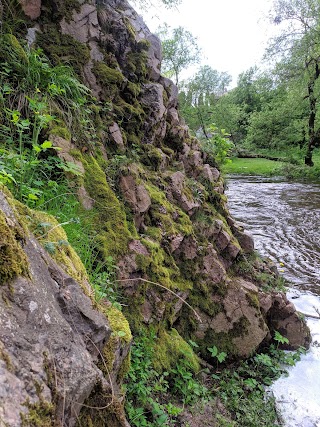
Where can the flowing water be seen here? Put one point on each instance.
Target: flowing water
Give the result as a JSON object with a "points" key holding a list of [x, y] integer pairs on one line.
{"points": [[284, 218]]}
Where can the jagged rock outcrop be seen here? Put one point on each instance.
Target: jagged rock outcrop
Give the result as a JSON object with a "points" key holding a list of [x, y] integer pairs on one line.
{"points": [[159, 210], [52, 337], [173, 190]]}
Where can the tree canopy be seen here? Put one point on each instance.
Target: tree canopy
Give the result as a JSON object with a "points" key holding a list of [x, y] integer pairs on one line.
{"points": [[180, 50]]}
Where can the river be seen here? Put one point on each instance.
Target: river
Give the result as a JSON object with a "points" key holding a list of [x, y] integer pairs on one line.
{"points": [[284, 219]]}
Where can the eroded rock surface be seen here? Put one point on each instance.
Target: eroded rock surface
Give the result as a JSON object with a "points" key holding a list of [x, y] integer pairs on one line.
{"points": [[51, 339]]}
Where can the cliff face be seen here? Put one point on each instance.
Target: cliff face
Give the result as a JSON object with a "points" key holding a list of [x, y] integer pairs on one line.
{"points": [[185, 266]]}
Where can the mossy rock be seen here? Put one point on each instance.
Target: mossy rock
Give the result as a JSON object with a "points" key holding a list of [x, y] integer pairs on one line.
{"points": [[55, 11], [200, 297], [170, 217], [111, 225], [136, 66], [161, 267], [131, 116], [143, 45], [63, 48], [169, 348], [152, 156], [101, 409], [40, 414], [13, 260], [11, 50], [61, 131], [121, 336], [54, 239], [131, 92], [110, 79]]}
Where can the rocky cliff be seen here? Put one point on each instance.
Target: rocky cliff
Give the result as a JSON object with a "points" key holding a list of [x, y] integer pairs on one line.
{"points": [[186, 268]]}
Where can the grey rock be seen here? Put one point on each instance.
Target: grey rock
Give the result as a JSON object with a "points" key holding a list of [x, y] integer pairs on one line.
{"points": [[51, 338]]}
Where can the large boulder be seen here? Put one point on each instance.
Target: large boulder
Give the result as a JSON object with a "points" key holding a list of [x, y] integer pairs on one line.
{"points": [[53, 341]]}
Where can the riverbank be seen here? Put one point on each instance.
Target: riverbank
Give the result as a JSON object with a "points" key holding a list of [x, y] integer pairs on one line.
{"points": [[291, 167], [283, 218]]}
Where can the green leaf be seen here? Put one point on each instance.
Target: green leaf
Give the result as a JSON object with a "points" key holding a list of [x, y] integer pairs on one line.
{"points": [[221, 357], [36, 148], [213, 350], [46, 144], [32, 196]]}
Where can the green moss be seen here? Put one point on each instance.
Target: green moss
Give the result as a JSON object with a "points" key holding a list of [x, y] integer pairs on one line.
{"points": [[53, 237], [136, 66], [101, 409], [200, 297], [111, 224], [13, 260], [61, 131], [131, 116], [131, 30], [56, 11], [224, 340], [118, 323], [253, 300], [6, 358], [219, 339], [154, 233], [161, 267], [133, 139], [169, 348], [169, 217], [143, 45], [40, 414], [131, 92], [63, 48], [152, 156], [107, 76], [121, 335], [11, 49]]}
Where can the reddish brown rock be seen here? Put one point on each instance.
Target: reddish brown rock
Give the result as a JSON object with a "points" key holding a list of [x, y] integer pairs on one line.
{"points": [[136, 196], [116, 136], [283, 317], [31, 8], [177, 188], [222, 240], [209, 173], [212, 267]]}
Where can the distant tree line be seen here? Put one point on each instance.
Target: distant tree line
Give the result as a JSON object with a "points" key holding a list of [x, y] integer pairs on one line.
{"points": [[273, 109]]}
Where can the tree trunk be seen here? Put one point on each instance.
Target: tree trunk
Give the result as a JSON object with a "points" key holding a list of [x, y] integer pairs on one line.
{"points": [[202, 124], [312, 116]]}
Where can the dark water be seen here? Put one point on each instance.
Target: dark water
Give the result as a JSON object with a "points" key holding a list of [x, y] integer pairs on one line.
{"points": [[284, 219]]}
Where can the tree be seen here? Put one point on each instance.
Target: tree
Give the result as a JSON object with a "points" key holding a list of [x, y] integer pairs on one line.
{"points": [[200, 94], [180, 50], [299, 46]]}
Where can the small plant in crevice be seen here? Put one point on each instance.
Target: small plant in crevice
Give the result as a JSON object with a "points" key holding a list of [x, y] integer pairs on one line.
{"points": [[215, 354]]}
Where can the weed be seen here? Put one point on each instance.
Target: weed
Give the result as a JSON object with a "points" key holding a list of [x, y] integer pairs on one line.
{"points": [[146, 387], [242, 388]]}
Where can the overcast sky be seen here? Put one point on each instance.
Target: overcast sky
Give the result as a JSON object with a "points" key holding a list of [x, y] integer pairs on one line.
{"points": [[231, 33]]}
